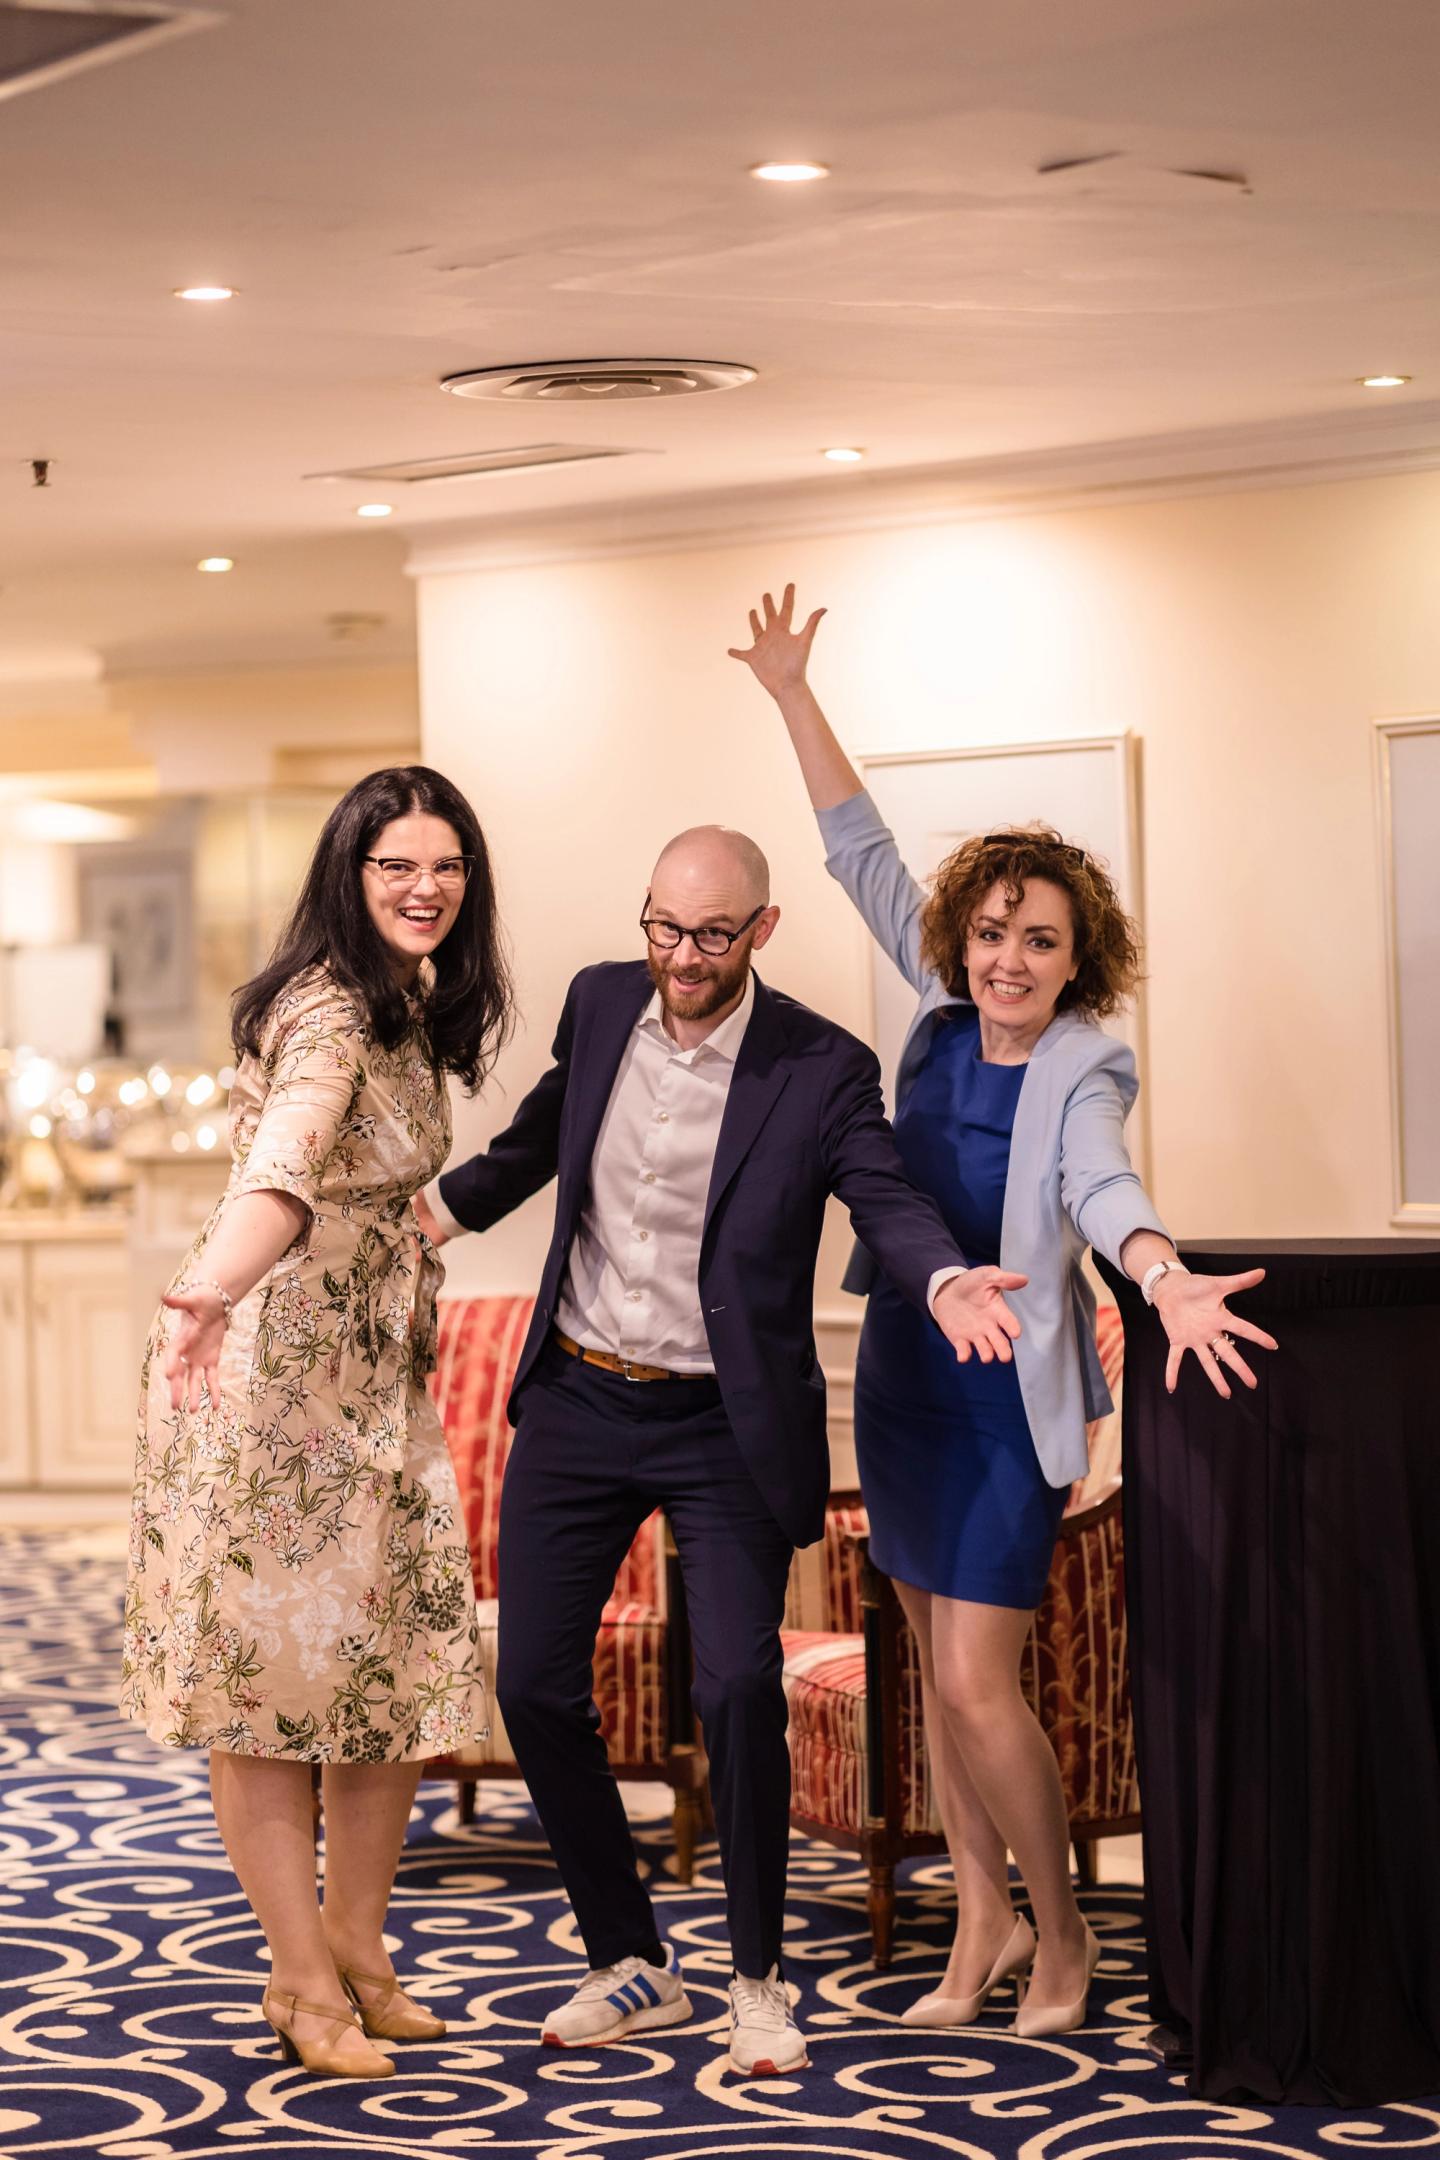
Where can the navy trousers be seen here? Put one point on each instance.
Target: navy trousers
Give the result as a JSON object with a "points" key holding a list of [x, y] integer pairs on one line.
{"points": [[593, 1454]]}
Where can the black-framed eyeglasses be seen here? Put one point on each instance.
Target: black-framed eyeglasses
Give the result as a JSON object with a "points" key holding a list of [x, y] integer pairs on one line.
{"points": [[712, 942], [450, 872]]}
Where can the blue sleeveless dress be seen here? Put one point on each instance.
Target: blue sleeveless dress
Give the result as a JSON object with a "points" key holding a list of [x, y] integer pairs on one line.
{"points": [[958, 1502]]}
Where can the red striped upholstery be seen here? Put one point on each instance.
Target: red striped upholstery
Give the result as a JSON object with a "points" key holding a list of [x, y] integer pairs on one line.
{"points": [[825, 1686], [480, 1343], [1075, 1668]]}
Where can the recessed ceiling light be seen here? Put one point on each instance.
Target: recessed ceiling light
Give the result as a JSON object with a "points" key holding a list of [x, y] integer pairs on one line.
{"points": [[214, 564], [843, 457], [204, 292], [777, 170], [374, 510], [1384, 382]]}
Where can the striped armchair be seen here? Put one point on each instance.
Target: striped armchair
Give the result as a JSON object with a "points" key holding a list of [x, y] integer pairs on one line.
{"points": [[642, 1652], [860, 1777]]}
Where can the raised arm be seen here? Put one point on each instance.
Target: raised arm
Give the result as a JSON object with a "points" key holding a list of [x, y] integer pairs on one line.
{"points": [[860, 850], [777, 660]]}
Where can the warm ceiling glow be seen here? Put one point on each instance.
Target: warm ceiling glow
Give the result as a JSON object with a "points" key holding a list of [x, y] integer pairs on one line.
{"points": [[214, 564], [778, 171], [1384, 382], [204, 292], [373, 510], [843, 457]]}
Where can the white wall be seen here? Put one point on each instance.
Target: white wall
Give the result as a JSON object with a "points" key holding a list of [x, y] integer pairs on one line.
{"points": [[1249, 640]]}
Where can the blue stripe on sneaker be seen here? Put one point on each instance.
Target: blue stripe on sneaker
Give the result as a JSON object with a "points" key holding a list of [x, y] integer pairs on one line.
{"points": [[649, 1993], [625, 1998]]}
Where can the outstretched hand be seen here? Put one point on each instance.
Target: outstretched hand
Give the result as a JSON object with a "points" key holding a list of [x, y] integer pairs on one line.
{"points": [[1195, 1317], [971, 1312], [778, 656], [194, 1352]]}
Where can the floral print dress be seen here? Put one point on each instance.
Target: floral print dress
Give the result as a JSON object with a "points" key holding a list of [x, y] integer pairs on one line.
{"points": [[299, 1577]]}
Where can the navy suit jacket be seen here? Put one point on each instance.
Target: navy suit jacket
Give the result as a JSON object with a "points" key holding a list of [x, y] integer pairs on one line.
{"points": [[803, 1118]]}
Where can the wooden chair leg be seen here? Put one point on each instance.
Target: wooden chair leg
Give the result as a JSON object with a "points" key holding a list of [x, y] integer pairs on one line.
{"points": [[465, 1799], [882, 1912], [687, 1820], [1087, 1862]]}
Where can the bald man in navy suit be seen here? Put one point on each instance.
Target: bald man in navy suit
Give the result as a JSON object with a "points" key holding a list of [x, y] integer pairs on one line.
{"points": [[696, 1121]]}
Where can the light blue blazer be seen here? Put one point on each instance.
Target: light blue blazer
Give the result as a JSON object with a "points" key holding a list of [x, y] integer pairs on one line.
{"points": [[1070, 1183]]}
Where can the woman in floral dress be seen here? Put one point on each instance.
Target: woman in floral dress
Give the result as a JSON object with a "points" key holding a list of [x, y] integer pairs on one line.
{"points": [[300, 1586]]}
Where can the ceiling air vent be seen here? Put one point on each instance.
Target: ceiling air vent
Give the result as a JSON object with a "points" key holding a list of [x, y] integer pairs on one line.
{"points": [[41, 41], [598, 382], [471, 465]]}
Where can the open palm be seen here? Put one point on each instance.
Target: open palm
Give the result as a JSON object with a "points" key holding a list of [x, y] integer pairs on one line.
{"points": [[778, 656]]}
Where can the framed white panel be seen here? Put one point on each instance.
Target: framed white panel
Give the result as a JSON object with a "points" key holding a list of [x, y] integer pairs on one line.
{"points": [[932, 800], [1408, 780]]}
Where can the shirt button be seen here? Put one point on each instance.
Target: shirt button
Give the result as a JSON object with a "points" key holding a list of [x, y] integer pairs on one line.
{"points": [[633, 1296], [642, 1235], [647, 1177], [662, 1117]]}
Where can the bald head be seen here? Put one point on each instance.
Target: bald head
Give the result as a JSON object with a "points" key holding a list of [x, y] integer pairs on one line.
{"points": [[718, 864]]}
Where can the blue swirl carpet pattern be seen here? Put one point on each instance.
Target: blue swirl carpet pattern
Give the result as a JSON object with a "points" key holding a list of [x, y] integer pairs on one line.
{"points": [[131, 1973]]}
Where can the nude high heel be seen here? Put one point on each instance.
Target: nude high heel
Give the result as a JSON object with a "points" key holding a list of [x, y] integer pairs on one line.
{"points": [[942, 2010], [1042, 2022], [389, 2018], [323, 2057]]}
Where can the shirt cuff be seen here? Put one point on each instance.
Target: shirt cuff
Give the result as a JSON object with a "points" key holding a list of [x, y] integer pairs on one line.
{"points": [[937, 1283], [848, 820], [448, 1222]]}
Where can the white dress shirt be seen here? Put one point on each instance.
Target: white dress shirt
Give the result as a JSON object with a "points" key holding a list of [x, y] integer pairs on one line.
{"points": [[633, 1283]]}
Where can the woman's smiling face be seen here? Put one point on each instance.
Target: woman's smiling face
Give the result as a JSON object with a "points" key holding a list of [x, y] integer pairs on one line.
{"points": [[1019, 959]]}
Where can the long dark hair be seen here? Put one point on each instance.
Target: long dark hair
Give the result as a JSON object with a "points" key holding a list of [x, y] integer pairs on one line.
{"points": [[469, 1010]]}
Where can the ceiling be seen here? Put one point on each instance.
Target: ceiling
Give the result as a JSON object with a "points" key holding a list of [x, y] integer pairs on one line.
{"points": [[401, 191]]}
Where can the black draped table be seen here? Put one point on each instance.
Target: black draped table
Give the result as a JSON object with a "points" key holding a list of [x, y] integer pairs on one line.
{"points": [[1283, 1578]]}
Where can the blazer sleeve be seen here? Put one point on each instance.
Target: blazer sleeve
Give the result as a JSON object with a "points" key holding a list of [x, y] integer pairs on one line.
{"points": [[523, 1158], [900, 1227], [1098, 1186], [860, 853]]}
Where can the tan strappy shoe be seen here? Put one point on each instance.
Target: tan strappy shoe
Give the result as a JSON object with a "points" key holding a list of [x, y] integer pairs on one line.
{"points": [[392, 2016], [323, 2057]]}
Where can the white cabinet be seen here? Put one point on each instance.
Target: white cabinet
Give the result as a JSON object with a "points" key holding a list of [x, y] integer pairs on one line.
{"points": [[69, 1354], [14, 1370], [85, 1365]]}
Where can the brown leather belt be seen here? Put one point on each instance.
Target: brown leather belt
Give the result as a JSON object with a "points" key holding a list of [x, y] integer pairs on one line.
{"points": [[608, 1362]]}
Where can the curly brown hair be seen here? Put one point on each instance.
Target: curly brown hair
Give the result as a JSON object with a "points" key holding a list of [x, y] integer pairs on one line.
{"points": [[1107, 942]]}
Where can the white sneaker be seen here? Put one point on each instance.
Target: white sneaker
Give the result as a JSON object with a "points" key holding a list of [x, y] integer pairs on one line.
{"points": [[764, 2037], [618, 1999]]}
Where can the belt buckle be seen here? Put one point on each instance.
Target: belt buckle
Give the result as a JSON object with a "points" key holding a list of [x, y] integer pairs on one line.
{"points": [[625, 1364]]}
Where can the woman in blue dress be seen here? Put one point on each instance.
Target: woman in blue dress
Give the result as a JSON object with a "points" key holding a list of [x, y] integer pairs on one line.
{"points": [[1011, 1110]]}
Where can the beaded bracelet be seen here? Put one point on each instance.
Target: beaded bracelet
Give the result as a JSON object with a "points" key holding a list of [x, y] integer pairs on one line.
{"points": [[227, 1303]]}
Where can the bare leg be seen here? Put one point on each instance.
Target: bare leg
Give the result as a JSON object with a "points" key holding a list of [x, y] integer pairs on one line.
{"points": [[266, 1819], [977, 1651], [984, 1915], [367, 1806]]}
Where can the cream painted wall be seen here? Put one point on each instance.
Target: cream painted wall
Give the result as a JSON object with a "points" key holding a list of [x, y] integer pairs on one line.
{"points": [[1250, 641]]}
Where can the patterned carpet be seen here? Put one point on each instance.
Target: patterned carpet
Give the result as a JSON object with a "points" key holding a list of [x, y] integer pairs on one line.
{"points": [[130, 1979]]}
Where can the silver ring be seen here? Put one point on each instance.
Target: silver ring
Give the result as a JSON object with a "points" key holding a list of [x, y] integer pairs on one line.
{"points": [[1213, 1346]]}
